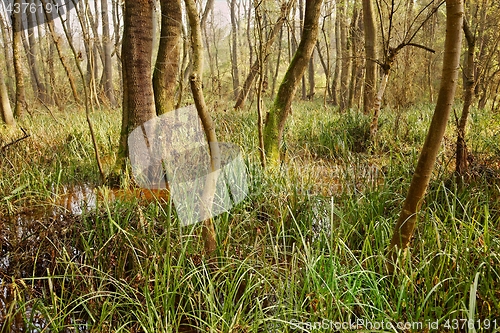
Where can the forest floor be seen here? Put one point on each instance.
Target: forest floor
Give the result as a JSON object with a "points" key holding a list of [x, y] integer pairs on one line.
{"points": [[303, 252]]}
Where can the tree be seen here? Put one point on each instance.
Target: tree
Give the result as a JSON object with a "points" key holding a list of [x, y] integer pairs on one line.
{"points": [[58, 44], [405, 225], [371, 56], [17, 31], [166, 71], [196, 82], [5, 109], [277, 115], [234, 48], [390, 53], [468, 94], [137, 50], [31, 47], [256, 67], [107, 50]]}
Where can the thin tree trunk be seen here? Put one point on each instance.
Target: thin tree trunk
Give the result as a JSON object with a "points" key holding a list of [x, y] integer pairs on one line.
{"points": [[254, 70], [405, 225], [354, 37], [107, 48], [87, 104], [310, 78], [277, 115], [32, 51], [196, 81], [278, 61], [468, 86], [234, 49], [248, 34], [377, 105], [6, 33], [346, 58], [370, 55], [5, 108], [20, 106], [338, 57], [301, 27], [166, 73], [57, 42]]}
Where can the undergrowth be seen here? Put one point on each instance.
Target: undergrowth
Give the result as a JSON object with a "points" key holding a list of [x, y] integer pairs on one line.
{"points": [[303, 252]]}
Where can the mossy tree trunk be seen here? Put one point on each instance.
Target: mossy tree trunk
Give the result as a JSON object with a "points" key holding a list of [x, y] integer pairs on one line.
{"points": [[166, 73], [277, 115], [196, 82], [406, 223]]}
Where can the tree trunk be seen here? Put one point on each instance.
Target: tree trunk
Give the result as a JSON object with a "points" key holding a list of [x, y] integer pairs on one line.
{"points": [[137, 50], [234, 50], [310, 78], [301, 25], [196, 81], [20, 106], [346, 58], [338, 57], [354, 38], [39, 88], [57, 42], [405, 225], [371, 56], [107, 50], [254, 70], [377, 105], [5, 108], [468, 86], [277, 115], [7, 49], [166, 71], [278, 62]]}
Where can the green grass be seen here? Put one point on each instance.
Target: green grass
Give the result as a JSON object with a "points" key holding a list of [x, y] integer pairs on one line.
{"points": [[304, 252]]}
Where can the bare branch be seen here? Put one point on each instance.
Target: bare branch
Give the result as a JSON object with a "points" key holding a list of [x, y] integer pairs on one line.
{"points": [[420, 47]]}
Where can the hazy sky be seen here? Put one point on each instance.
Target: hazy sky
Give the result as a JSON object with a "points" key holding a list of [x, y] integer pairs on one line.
{"points": [[221, 12]]}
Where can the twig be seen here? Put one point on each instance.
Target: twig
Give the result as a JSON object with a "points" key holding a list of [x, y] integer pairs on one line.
{"points": [[26, 135], [50, 111]]}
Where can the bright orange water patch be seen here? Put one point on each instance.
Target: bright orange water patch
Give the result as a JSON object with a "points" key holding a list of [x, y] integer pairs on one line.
{"points": [[79, 198]]}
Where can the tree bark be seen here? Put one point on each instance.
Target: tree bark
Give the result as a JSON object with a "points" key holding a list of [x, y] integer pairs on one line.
{"points": [[234, 48], [468, 86], [107, 50], [166, 71], [310, 78], [338, 57], [354, 36], [31, 51], [254, 70], [137, 50], [6, 33], [277, 115], [196, 81], [57, 42], [405, 225], [20, 106], [346, 58], [371, 56], [5, 108]]}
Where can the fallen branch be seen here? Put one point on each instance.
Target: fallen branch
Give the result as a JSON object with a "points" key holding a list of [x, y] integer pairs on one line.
{"points": [[26, 135]]}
